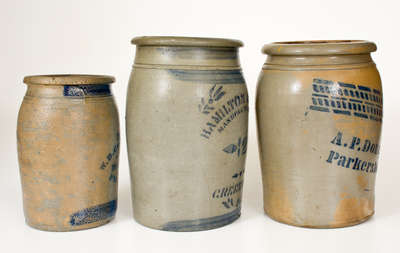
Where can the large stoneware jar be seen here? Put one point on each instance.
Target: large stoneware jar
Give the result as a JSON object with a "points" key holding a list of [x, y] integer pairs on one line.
{"points": [[186, 123], [319, 116], [68, 147]]}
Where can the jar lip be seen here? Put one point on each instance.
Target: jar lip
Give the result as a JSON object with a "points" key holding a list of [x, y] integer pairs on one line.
{"points": [[185, 41], [68, 79], [319, 47]]}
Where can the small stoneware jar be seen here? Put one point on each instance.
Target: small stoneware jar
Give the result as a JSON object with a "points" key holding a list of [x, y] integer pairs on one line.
{"points": [[186, 126], [68, 147], [319, 116]]}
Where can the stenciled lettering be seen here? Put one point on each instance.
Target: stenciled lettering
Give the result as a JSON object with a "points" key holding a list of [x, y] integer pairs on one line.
{"points": [[225, 114], [227, 191], [354, 163]]}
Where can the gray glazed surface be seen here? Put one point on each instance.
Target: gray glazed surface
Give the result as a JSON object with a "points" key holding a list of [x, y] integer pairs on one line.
{"points": [[68, 150], [319, 115], [187, 114]]}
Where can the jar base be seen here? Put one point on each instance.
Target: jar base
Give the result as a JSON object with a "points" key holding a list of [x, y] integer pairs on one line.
{"points": [[52, 228], [323, 226], [197, 225]]}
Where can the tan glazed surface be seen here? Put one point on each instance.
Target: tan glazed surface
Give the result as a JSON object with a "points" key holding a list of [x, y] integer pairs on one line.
{"points": [[68, 148], [186, 122], [319, 115]]}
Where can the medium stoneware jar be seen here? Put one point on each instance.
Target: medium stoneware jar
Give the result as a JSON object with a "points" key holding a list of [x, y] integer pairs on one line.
{"points": [[319, 116], [68, 147], [186, 123]]}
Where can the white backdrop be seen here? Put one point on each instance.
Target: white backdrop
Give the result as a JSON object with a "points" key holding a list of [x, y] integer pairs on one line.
{"points": [[93, 36]]}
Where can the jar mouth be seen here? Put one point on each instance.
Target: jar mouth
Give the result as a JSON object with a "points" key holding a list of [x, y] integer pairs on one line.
{"points": [[68, 79], [185, 41], [320, 47]]}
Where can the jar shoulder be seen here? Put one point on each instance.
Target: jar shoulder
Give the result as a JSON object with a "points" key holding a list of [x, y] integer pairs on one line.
{"points": [[367, 76]]}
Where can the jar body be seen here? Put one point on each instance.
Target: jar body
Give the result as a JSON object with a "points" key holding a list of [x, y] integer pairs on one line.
{"points": [[319, 132], [68, 148], [187, 138]]}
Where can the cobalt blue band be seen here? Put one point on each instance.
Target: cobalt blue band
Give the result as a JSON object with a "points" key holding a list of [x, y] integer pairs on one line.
{"points": [[87, 90]]}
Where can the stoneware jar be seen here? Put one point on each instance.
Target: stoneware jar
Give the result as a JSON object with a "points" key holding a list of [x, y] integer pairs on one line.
{"points": [[186, 126], [319, 116], [68, 147]]}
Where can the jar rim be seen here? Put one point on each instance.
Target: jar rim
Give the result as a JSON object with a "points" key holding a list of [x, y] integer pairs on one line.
{"points": [[185, 41], [68, 79], [320, 47]]}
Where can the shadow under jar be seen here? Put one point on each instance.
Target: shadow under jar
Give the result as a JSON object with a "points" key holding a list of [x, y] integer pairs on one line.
{"points": [[319, 115], [68, 147], [186, 123]]}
